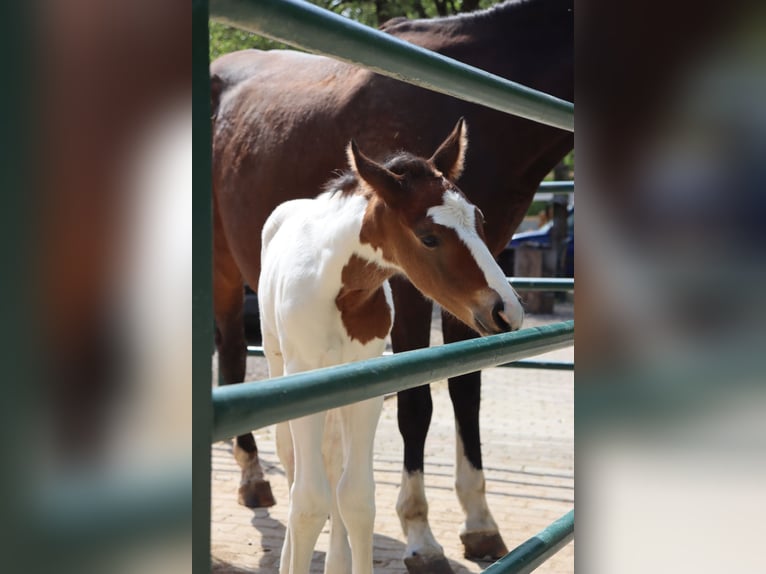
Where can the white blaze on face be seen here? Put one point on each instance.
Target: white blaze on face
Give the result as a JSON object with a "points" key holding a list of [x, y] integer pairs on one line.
{"points": [[456, 213]]}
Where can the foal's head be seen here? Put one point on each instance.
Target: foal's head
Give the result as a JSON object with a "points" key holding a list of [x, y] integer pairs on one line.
{"points": [[423, 224]]}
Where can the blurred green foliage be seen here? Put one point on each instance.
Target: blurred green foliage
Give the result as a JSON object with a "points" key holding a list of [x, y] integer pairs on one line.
{"points": [[225, 39]]}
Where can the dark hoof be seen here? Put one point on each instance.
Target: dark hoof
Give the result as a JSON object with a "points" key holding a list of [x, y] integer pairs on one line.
{"points": [[256, 494], [424, 565], [483, 545]]}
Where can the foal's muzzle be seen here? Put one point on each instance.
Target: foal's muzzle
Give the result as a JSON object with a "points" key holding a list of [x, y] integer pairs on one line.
{"points": [[498, 316]]}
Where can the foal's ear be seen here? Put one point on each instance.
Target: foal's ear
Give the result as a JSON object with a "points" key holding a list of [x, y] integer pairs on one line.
{"points": [[450, 156], [384, 183]]}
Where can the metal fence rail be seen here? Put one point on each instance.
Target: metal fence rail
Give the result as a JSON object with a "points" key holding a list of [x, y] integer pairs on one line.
{"points": [[202, 291], [542, 283], [257, 351], [311, 28], [530, 554], [522, 284], [556, 187], [246, 406]]}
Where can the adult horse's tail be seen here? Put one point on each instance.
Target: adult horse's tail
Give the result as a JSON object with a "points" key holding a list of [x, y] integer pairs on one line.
{"points": [[228, 71]]}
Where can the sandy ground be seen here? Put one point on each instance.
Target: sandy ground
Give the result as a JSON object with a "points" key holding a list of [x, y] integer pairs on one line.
{"points": [[528, 448]]}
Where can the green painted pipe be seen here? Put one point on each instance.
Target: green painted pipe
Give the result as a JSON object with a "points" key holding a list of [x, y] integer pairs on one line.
{"points": [[543, 365], [317, 30], [556, 186], [246, 406], [531, 554], [202, 292], [99, 516], [542, 283], [257, 351]]}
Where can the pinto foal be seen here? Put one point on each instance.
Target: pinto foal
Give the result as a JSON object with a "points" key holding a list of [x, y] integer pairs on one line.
{"points": [[325, 300]]}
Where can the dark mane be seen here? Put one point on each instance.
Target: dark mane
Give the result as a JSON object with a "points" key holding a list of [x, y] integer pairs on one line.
{"points": [[401, 163], [345, 184]]}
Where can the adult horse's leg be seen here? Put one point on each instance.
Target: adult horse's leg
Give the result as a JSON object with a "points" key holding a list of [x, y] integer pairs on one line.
{"points": [[411, 330], [228, 302], [479, 533]]}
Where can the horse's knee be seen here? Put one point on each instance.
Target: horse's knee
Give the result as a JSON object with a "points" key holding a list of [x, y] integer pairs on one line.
{"points": [[356, 502], [312, 494], [310, 500], [285, 451]]}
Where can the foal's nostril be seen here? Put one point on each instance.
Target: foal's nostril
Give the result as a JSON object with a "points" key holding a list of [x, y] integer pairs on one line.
{"points": [[497, 316]]}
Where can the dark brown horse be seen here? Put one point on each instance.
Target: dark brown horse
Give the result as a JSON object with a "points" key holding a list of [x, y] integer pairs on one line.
{"points": [[281, 120]]}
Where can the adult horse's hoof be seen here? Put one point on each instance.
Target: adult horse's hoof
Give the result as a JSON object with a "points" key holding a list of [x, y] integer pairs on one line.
{"points": [[482, 545], [256, 494], [427, 565]]}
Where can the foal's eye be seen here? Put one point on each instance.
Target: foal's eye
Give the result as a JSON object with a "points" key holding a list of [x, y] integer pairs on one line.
{"points": [[430, 241]]}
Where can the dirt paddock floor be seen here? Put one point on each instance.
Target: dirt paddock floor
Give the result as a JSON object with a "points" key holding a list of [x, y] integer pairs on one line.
{"points": [[528, 448]]}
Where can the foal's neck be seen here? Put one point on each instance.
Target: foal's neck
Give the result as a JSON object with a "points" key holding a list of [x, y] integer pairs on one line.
{"points": [[368, 267], [363, 299]]}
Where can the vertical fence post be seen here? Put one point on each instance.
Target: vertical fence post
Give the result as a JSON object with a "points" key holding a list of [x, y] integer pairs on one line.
{"points": [[202, 316]]}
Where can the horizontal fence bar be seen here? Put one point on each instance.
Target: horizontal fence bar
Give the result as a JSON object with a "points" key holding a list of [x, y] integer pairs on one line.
{"points": [[315, 29], [530, 554], [542, 365], [556, 186], [103, 516], [257, 351], [246, 406], [542, 283]]}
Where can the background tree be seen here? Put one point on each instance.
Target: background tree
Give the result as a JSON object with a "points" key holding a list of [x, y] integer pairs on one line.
{"points": [[225, 39]]}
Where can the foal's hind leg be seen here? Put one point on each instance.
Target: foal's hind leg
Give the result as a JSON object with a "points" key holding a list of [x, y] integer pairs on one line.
{"points": [[310, 493], [356, 489], [284, 437], [228, 302], [479, 533], [338, 559]]}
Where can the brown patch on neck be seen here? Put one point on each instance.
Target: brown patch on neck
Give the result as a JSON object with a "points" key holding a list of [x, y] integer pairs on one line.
{"points": [[362, 301], [372, 228]]}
